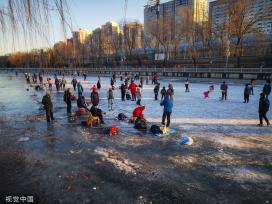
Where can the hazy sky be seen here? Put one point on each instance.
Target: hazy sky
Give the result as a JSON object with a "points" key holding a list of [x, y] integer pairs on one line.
{"points": [[88, 14]]}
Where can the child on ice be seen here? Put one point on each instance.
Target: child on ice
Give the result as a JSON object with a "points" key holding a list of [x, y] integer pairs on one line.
{"points": [[206, 93]]}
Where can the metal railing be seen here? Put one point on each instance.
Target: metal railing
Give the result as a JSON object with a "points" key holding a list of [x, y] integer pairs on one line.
{"points": [[158, 70]]}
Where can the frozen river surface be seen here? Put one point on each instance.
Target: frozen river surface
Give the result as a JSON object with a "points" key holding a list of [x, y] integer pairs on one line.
{"points": [[63, 162]]}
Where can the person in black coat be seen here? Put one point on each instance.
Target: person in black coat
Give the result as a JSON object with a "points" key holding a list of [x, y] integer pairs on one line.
{"points": [[267, 88], [74, 82], [224, 90], [263, 109], [48, 106], [156, 91], [163, 93], [123, 91], [68, 100], [94, 97], [247, 92]]}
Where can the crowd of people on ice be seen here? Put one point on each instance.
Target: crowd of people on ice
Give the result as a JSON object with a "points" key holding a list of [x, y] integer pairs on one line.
{"points": [[130, 90]]}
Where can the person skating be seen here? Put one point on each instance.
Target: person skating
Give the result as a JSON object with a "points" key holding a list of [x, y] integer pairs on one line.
{"points": [[63, 83], [57, 83], [94, 96], [97, 112], [133, 89], [40, 78], [167, 110], [170, 91], [112, 83], [138, 96], [252, 82], [123, 91], [98, 84], [187, 90], [163, 93], [142, 82], [263, 109], [147, 80], [85, 76], [68, 100], [247, 92], [48, 106], [267, 88], [50, 83], [74, 83], [79, 89], [110, 99], [224, 90], [156, 91]]}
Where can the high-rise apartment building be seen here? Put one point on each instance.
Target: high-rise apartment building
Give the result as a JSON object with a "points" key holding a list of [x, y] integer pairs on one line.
{"points": [[172, 12], [133, 34], [80, 36], [258, 9]]}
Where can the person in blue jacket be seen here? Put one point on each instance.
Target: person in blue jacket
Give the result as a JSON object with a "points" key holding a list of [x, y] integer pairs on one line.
{"points": [[79, 89], [167, 103]]}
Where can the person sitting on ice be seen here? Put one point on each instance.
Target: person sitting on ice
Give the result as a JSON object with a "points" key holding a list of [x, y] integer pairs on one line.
{"points": [[97, 112], [128, 96], [82, 106]]}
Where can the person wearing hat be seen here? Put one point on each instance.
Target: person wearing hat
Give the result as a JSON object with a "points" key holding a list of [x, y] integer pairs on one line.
{"points": [[48, 106], [263, 109], [94, 96]]}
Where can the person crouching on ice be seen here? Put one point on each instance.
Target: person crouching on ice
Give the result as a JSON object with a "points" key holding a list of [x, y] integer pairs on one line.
{"points": [[137, 113], [206, 94]]}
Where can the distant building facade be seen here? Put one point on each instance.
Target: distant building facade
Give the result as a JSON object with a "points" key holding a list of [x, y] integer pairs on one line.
{"points": [[80, 36], [219, 14], [172, 12], [133, 33]]}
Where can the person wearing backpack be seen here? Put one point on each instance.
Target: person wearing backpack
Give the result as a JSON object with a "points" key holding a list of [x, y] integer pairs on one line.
{"points": [[263, 109], [167, 104], [67, 98]]}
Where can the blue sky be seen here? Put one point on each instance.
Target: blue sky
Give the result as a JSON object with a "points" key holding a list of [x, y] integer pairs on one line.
{"points": [[88, 14]]}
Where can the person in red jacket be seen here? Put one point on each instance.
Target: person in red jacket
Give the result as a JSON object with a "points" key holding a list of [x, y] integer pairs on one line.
{"points": [[138, 112], [133, 89]]}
